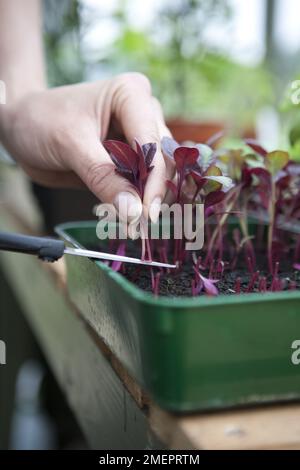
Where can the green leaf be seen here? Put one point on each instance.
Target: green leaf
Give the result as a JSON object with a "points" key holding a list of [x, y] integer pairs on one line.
{"points": [[212, 185], [225, 182], [275, 161]]}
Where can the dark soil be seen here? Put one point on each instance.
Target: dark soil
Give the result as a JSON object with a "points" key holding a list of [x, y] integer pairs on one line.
{"points": [[180, 284]]}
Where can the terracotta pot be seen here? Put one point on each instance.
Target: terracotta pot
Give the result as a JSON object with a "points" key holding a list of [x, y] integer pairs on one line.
{"points": [[199, 131], [196, 131]]}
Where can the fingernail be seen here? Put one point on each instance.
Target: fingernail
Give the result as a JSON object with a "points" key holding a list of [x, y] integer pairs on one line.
{"points": [[155, 209], [129, 207]]}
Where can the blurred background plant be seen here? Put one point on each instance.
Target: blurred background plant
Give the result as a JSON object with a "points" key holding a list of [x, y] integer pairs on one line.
{"points": [[290, 117], [201, 70], [63, 39]]}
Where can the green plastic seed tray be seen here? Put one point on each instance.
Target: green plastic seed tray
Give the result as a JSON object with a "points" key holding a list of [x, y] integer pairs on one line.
{"points": [[189, 354]]}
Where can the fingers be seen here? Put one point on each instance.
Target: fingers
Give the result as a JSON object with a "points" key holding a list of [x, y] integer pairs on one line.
{"points": [[141, 118], [94, 166]]}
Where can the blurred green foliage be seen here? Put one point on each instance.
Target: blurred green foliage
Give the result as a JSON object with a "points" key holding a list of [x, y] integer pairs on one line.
{"points": [[290, 117], [62, 38], [191, 79]]}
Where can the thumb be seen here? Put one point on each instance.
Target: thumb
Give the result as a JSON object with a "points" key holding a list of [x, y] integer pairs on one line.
{"points": [[95, 168]]}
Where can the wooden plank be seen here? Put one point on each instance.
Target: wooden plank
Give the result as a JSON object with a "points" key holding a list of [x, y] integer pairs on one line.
{"points": [[14, 331], [273, 427], [15, 189]]}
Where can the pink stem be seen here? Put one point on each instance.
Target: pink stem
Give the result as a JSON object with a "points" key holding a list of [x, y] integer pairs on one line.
{"points": [[253, 280], [249, 264], [152, 279], [211, 269], [262, 285], [297, 250], [237, 286], [275, 274], [156, 284]]}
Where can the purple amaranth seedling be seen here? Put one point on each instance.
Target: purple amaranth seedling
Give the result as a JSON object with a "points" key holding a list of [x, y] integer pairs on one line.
{"points": [[135, 166], [202, 283], [121, 251], [262, 179], [196, 170], [155, 283], [198, 162], [270, 180], [227, 182]]}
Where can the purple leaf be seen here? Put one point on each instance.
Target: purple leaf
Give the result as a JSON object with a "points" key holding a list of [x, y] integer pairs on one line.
{"points": [[214, 198], [135, 166], [125, 155], [126, 174], [116, 265], [139, 149], [246, 177], [262, 174], [296, 266], [146, 154], [208, 284], [143, 170], [149, 151], [170, 185], [185, 158], [198, 178], [282, 180], [252, 143]]}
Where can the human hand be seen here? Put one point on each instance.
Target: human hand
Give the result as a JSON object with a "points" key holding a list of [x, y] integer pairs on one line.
{"points": [[56, 136]]}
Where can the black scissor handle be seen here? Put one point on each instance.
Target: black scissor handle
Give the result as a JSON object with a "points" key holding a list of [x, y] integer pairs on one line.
{"points": [[47, 249]]}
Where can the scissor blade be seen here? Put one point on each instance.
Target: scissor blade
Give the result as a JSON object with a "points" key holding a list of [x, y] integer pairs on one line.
{"points": [[111, 257]]}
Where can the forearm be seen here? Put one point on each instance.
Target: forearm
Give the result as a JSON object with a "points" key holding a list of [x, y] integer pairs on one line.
{"points": [[21, 50]]}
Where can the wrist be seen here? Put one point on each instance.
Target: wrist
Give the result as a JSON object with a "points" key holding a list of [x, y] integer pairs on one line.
{"points": [[14, 99], [17, 88]]}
